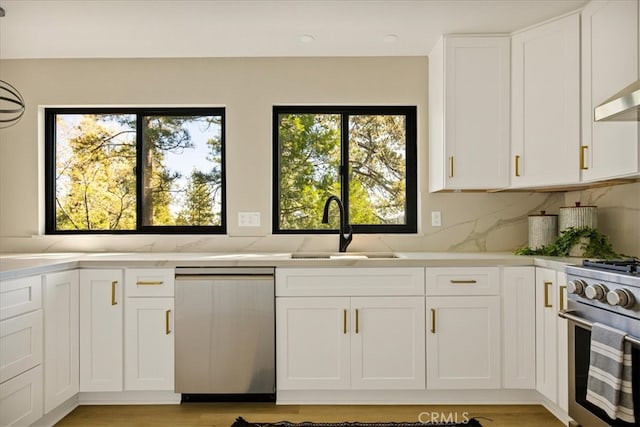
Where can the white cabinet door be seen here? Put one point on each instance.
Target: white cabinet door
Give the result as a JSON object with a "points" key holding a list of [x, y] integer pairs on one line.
{"points": [[469, 113], [545, 118], [463, 342], [519, 327], [546, 334], [312, 343], [387, 343], [21, 399], [149, 340], [101, 333], [61, 338], [609, 64]]}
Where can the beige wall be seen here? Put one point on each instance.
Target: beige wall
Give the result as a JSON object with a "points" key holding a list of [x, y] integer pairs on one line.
{"points": [[248, 88]]}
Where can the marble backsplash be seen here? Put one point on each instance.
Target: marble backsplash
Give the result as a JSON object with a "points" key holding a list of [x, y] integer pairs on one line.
{"points": [[471, 222]]}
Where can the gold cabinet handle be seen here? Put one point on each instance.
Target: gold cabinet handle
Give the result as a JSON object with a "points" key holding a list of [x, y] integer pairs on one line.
{"points": [[167, 315], [113, 292], [463, 282], [517, 165], [357, 321], [546, 294], [344, 321], [433, 320], [149, 283], [450, 166], [561, 297], [583, 157]]}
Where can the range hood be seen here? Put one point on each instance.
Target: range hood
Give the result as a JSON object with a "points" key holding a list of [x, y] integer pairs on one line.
{"points": [[623, 106]]}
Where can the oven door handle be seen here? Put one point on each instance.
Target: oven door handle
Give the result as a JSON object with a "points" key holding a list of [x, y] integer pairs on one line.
{"points": [[566, 314]]}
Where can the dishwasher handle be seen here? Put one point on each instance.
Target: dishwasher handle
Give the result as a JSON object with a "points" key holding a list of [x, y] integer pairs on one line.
{"points": [[195, 272]]}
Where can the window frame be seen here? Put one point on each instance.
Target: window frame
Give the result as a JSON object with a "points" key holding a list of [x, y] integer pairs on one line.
{"points": [[411, 207], [50, 114]]}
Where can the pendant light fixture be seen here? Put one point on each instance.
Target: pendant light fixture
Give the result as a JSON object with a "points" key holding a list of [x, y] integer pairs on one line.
{"points": [[11, 105]]}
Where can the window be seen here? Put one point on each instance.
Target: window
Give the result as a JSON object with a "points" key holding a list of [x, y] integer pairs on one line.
{"points": [[134, 170], [364, 155]]}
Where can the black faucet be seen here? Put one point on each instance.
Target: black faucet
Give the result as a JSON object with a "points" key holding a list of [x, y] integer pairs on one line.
{"points": [[346, 233]]}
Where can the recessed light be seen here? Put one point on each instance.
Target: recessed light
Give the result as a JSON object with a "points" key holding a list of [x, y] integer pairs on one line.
{"points": [[390, 38], [306, 38]]}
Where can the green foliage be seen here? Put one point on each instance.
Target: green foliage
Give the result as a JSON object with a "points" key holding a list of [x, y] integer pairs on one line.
{"points": [[96, 179], [309, 155], [593, 244]]}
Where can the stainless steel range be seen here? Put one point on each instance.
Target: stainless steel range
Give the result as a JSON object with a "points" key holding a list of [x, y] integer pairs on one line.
{"points": [[606, 292]]}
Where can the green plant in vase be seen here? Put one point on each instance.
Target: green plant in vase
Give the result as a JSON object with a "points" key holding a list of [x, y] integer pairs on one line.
{"points": [[590, 242]]}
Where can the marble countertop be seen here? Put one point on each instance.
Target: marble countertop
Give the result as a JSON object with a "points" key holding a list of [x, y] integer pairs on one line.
{"points": [[17, 265]]}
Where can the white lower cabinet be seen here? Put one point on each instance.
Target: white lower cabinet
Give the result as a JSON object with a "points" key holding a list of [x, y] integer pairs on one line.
{"points": [[101, 330], [358, 343], [148, 362], [126, 330], [551, 337], [21, 399], [21, 351], [463, 342], [61, 338], [148, 329], [342, 342], [518, 328], [463, 331]]}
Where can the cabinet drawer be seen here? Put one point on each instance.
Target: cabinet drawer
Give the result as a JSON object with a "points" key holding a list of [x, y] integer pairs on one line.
{"points": [[21, 399], [149, 282], [349, 281], [463, 281], [20, 296], [20, 344]]}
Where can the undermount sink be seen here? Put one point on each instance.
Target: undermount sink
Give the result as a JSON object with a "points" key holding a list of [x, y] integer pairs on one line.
{"points": [[343, 255]]}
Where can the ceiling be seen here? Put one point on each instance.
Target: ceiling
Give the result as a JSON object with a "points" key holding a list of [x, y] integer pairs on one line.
{"points": [[254, 28]]}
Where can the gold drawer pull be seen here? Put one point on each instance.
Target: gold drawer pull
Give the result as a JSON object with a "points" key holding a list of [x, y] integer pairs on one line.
{"points": [[583, 164], [357, 321], [166, 322], [149, 283], [547, 304], [463, 282], [344, 321], [433, 320], [517, 165], [561, 297], [113, 292], [451, 167]]}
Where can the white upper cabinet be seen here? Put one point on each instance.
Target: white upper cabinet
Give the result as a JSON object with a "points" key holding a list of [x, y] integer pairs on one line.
{"points": [[609, 64], [545, 103], [469, 113]]}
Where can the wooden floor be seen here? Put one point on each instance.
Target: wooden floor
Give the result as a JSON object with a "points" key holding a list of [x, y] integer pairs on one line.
{"points": [[223, 414]]}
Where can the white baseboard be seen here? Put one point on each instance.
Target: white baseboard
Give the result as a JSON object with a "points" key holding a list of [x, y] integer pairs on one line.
{"points": [[58, 413], [130, 398], [409, 397]]}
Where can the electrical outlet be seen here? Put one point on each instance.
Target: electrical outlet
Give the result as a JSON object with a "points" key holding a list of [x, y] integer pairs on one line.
{"points": [[436, 219], [248, 219]]}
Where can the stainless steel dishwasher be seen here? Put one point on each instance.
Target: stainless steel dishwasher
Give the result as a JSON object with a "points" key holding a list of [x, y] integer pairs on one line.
{"points": [[224, 333]]}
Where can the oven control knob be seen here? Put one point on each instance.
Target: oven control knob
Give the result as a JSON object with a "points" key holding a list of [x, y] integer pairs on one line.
{"points": [[596, 291], [620, 297], [576, 287]]}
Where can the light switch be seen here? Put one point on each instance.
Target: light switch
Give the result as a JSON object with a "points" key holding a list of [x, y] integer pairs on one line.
{"points": [[248, 219], [436, 219]]}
